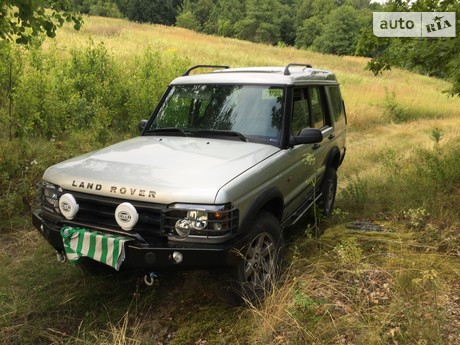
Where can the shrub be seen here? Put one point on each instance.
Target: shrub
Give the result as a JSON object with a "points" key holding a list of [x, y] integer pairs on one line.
{"points": [[53, 107]]}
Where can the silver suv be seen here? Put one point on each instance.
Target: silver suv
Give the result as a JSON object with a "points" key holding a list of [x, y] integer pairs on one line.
{"points": [[227, 160]]}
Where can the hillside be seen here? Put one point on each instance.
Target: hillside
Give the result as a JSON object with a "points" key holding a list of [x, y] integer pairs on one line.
{"points": [[385, 271]]}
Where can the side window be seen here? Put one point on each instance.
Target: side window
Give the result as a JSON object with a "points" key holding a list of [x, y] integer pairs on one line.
{"points": [[309, 109], [300, 111], [336, 103], [318, 109]]}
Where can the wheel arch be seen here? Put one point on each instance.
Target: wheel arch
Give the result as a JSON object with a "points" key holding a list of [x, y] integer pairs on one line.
{"points": [[270, 200], [333, 158]]}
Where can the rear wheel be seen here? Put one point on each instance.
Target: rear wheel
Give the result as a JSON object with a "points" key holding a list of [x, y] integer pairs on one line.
{"points": [[328, 191], [260, 262]]}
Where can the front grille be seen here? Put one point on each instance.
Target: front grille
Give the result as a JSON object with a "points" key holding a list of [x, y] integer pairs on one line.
{"points": [[99, 212]]}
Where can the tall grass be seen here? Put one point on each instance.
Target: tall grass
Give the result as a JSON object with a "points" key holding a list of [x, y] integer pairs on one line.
{"points": [[360, 288], [89, 88]]}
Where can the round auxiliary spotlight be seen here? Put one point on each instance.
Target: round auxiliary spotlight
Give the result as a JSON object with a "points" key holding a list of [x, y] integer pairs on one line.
{"points": [[126, 216], [68, 206]]}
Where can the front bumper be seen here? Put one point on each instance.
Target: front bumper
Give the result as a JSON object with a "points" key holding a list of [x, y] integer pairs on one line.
{"points": [[158, 255]]}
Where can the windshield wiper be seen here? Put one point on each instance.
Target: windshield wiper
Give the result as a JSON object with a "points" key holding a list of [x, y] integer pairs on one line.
{"points": [[167, 130], [220, 133]]}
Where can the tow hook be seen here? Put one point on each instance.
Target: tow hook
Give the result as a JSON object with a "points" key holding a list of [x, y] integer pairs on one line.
{"points": [[61, 257], [151, 278]]}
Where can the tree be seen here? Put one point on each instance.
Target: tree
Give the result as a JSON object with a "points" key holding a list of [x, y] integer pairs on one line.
{"points": [[439, 57], [226, 13], [20, 21], [187, 18], [151, 11], [341, 31], [262, 21], [311, 20]]}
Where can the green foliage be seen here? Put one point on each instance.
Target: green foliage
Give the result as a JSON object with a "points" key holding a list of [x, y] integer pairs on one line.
{"points": [[436, 135], [21, 21], [393, 109], [341, 31], [434, 57], [105, 8], [348, 253], [188, 20], [262, 21], [425, 179], [356, 193], [308, 32], [11, 64], [88, 98], [150, 11]]}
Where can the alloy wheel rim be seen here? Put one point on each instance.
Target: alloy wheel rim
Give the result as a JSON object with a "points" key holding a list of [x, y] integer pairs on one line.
{"points": [[260, 260]]}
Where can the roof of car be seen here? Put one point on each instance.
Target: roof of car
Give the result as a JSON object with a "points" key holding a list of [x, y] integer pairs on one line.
{"points": [[290, 75]]}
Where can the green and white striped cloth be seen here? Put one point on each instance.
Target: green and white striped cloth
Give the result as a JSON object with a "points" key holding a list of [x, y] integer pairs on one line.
{"points": [[107, 249]]}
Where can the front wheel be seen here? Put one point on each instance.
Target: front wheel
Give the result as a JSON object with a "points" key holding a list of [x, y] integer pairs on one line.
{"points": [[260, 261], [328, 191]]}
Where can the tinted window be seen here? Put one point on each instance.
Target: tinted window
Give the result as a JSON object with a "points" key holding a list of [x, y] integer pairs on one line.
{"points": [[300, 111], [317, 107], [309, 109], [336, 103]]}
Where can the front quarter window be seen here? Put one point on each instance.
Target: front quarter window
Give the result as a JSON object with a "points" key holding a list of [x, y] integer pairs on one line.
{"points": [[253, 111]]}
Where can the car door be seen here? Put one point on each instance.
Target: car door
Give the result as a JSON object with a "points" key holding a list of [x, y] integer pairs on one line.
{"points": [[305, 169]]}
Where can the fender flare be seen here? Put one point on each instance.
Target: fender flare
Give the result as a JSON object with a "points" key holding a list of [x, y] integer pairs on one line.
{"points": [[333, 158], [270, 200]]}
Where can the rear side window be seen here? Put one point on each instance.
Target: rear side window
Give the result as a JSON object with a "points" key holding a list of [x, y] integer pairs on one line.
{"points": [[319, 118], [310, 109], [336, 103]]}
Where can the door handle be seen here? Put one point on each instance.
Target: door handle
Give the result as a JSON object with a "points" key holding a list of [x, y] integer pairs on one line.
{"points": [[331, 136], [316, 146]]}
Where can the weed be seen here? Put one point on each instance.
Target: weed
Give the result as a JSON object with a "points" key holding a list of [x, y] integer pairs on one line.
{"points": [[393, 109], [356, 193], [416, 218], [436, 135], [339, 215]]}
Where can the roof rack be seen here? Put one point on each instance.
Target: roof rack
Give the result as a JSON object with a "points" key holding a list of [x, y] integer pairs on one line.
{"points": [[287, 72], [187, 72]]}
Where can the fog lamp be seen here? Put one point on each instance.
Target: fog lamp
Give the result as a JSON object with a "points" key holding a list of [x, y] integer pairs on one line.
{"points": [[68, 206], [217, 226]]}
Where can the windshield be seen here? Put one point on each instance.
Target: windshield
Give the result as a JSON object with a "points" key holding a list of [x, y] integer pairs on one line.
{"points": [[253, 113]]}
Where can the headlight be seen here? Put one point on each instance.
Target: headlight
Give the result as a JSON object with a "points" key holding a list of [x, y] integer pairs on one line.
{"points": [[200, 221], [51, 195], [195, 220]]}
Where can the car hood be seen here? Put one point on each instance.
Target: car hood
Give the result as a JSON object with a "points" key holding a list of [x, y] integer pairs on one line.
{"points": [[159, 169]]}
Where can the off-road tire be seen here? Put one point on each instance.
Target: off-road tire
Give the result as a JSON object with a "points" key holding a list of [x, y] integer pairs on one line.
{"points": [[328, 191], [254, 277]]}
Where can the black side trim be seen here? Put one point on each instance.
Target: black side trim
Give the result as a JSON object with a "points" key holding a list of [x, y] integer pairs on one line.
{"points": [[333, 158], [264, 199]]}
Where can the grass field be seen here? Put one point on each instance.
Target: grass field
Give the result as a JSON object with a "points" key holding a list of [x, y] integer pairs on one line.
{"points": [[385, 271]]}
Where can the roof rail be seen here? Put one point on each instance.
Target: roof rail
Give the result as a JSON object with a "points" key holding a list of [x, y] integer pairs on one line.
{"points": [[287, 72], [187, 72]]}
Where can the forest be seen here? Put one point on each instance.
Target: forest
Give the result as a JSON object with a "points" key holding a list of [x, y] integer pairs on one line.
{"points": [[339, 27]]}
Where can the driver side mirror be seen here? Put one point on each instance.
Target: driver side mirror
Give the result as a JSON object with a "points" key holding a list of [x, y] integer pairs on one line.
{"points": [[141, 125], [307, 136]]}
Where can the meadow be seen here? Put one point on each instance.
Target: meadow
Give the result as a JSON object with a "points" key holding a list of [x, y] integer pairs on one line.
{"points": [[386, 269]]}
